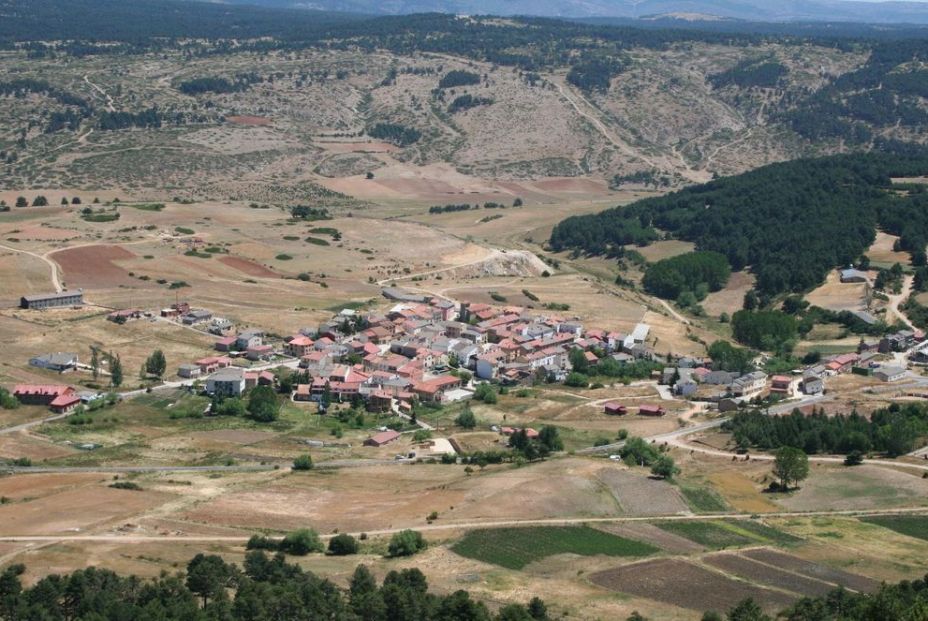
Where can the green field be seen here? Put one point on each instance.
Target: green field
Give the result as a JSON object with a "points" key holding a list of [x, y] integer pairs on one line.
{"points": [[909, 525], [703, 500], [514, 548], [728, 534]]}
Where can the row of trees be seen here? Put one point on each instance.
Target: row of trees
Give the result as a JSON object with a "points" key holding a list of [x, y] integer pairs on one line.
{"points": [[264, 588], [894, 430]]}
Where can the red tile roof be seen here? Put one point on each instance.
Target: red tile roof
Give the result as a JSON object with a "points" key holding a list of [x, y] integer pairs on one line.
{"points": [[44, 390]]}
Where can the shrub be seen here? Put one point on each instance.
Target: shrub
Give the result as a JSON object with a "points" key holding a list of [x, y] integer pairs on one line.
{"points": [[343, 545], [301, 542], [466, 419], [260, 542], [303, 462], [126, 485], [406, 543]]}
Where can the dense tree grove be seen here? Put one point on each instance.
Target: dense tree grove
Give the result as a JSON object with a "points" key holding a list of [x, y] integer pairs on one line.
{"points": [[594, 74], [749, 73], [894, 430], [263, 589], [456, 78], [727, 357], [668, 278], [400, 135], [790, 222], [878, 94], [466, 102], [198, 86], [766, 330]]}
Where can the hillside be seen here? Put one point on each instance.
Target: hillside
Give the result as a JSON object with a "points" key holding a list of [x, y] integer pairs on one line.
{"points": [[789, 223], [546, 98], [752, 10]]}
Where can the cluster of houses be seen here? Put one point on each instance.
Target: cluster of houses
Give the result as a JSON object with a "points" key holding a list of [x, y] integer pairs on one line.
{"points": [[696, 379], [420, 350]]}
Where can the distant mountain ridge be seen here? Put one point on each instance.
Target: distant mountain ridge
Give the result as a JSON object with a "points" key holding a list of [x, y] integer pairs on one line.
{"points": [[749, 10]]}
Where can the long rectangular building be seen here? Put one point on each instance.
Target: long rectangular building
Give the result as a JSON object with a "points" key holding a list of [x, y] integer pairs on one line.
{"points": [[52, 300]]}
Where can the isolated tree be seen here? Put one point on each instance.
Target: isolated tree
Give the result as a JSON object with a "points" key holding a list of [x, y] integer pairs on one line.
{"points": [[115, 370], [303, 462], [21, 201], [537, 608], [549, 437], [156, 364], [64, 200], [263, 405], [40, 201], [406, 543], [664, 467], [466, 419], [790, 466], [76, 200], [517, 202], [343, 544], [95, 362], [578, 361]]}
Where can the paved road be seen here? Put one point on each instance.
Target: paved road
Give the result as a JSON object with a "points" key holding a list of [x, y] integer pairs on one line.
{"points": [[443, 526]]}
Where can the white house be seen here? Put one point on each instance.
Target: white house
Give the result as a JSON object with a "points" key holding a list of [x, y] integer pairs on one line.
{"points": [[228, 382]]}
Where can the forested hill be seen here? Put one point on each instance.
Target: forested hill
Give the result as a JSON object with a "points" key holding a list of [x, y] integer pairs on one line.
{"points": [[789, 223]]}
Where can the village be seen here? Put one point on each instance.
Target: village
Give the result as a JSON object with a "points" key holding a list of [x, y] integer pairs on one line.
{"points": [[423, 349]]}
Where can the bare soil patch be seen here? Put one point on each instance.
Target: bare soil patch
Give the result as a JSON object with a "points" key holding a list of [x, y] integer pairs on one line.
{"points": [[741, 492], [45, 233], [686, 585], [643, 531], [882, 250], [249, 120], [863, 487], [35, 448], [94, 267], [249, 267], [759, 573], [75, 510], [813, 570], [731, 298], [837, 296], [641, 495]]}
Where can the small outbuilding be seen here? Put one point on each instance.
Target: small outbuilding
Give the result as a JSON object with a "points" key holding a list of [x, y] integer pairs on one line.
{"points": [[614, 408], [383, 438]]}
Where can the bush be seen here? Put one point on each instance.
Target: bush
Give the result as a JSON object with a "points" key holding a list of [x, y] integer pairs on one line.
{"points": [[126, 485], [485, 393], [301, 542], [466, 419], [854, 458], [343, 545], [303, 462], [577, 380], [406, 543], [260, 542]]}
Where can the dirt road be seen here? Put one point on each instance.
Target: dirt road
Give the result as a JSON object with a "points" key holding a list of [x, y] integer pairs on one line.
{"points": [[56, 278], [470, 525]]}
